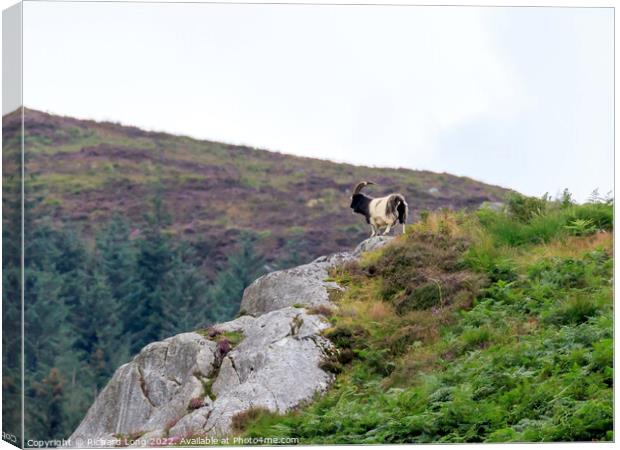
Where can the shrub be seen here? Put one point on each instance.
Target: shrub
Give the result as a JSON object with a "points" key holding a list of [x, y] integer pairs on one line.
{"points": [[581, 227], [601, 215], [603, 354], [241, 420], [345, 337], [223, 346], [423, 297], [523, 209], [574, 311], [322, 310], [475, 338], [331, 365], [196, 403]]}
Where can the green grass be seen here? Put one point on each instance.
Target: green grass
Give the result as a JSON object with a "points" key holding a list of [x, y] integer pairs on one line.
{"points": [[521, 228], [518, 348], [234, 337]]}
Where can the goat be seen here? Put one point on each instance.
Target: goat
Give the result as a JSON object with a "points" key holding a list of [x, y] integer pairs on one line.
{"points": [[379, 212]]}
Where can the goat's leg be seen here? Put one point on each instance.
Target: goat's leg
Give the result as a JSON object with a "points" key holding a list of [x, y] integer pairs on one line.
{"points": [[374, 230], [403, 228], [387, 230]]}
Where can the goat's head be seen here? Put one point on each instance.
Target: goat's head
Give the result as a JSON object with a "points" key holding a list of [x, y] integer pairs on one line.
{"points": [[358, 198]]}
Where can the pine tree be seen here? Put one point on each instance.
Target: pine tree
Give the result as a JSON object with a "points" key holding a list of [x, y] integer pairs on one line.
{"points": [[117, 260], [48, 415], [106, 345], [11, 297], [186, 305], [47, 341], [147, 321], [242, 269]]}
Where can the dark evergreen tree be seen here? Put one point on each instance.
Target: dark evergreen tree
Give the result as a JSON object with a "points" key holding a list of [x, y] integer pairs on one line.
{"points": [[186, 293], [242, 268], [155, 259], [11, 300], [47, 340], [46, 413], [117, 257], [107, 346]]}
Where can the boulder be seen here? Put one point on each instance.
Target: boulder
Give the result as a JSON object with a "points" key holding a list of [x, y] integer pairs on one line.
{"points": [[189, 385], [152, 390], [275, 366], [303, 285], [371, 244]]}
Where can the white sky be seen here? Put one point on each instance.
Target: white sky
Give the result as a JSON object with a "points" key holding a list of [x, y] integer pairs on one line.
{"points": [[520, 97]]}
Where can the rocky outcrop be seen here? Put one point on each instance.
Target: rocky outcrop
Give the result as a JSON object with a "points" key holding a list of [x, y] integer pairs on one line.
{"points": [[275, 367], [195, 383], [151, 390], [303, 285]]}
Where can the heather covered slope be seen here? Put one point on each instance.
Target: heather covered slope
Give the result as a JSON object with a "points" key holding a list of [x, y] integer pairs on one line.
{"points": [[493, 327], [87, 171]]}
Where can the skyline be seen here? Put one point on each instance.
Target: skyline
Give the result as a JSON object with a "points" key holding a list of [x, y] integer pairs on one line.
{"points": [[517, 98]]}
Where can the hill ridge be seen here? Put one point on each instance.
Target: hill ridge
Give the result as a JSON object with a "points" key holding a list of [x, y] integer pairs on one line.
{"points": [[89, 171]]}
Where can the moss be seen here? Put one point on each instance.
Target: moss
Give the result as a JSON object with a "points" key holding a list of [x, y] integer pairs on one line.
{"points": [[212, 333], [234, 337], [207, 386]]}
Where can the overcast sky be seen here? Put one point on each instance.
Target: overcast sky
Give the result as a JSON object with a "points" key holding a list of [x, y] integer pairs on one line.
{"points": [[520, 97]]}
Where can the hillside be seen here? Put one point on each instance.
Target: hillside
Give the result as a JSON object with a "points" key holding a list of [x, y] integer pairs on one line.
{"points": [[494, 326], [87, 171], [135, 236]]}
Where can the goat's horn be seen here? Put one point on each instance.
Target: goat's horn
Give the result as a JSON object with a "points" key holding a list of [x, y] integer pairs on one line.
{"points": [[361, 186]]}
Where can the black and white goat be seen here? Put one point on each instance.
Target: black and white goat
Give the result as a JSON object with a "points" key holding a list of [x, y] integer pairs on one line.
{"points": [[379, 212]]}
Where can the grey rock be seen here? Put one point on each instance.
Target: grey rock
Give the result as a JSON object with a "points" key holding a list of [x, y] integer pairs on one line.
{"points": [[276, 366], [189, 424], [151, 439], [151, 391], [371, 244], [303, 285]]}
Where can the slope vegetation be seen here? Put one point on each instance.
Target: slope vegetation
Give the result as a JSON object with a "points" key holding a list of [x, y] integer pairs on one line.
{"points": [[485, 327]]}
